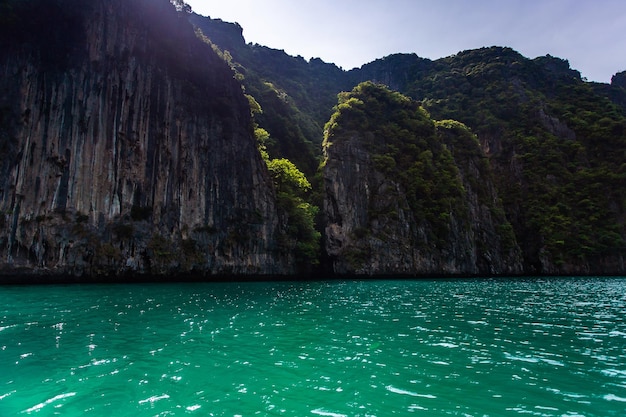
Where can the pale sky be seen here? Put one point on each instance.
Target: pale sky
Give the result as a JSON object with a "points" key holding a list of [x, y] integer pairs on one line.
{"points": [[591, 34]]}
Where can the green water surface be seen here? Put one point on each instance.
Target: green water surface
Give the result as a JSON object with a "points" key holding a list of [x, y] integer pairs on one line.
{"points": [[543, 347]]}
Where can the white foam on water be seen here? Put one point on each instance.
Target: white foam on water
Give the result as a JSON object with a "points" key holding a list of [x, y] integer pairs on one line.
{"points": [[395, 390], [612, 397], [614, 373], [553, 362], [154, 399], [521, 358], [2, 396], [49, 401], [540, 407], [446, 345], [321, 412]]}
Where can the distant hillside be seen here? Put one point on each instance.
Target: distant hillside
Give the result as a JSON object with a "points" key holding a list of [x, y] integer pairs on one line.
{"points": [[555, 142]]}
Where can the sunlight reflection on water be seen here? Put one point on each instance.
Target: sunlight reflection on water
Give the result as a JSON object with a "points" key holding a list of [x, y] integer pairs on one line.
{"points": [[551, 347]]}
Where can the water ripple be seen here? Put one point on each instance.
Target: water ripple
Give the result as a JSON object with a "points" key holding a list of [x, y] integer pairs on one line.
{"points": [[49, 401], [370, 348]]}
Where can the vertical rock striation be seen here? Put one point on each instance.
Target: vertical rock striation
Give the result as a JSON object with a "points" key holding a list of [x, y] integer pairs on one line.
{"points": [[372, 230], [129, 147], [407, 196]]}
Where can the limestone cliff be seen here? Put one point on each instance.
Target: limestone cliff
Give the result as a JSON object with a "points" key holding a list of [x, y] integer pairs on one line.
{"points": [[127, 145], [404, 195], [554, 142]]}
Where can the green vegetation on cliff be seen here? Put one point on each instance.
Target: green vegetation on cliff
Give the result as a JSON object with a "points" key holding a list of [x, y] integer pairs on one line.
{"points": [[555, 142], [424, 196], [292, 190], [296, 96], [293, 201], [537, 147], [403, 143], [557, 146]]}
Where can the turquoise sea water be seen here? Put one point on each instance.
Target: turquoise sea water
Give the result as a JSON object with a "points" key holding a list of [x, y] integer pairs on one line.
{"points": [[545, 347]]}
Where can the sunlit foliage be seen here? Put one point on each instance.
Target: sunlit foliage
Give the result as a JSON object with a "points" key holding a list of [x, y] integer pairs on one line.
{"points": [[403, 142], [292, 189]]}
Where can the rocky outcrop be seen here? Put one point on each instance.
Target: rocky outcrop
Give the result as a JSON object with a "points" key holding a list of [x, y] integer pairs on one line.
{"points": [[127, 146], [554, 143], [376, 227], [131, 151], [397, 71], [371, 229]]}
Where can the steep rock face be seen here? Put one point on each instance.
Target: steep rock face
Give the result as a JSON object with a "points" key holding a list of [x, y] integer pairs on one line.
{"points": [[495, 247], [296, 96], [372, 230], [554, 141], [390, 213], [133, 150], [229, 36], [397, 71]]}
